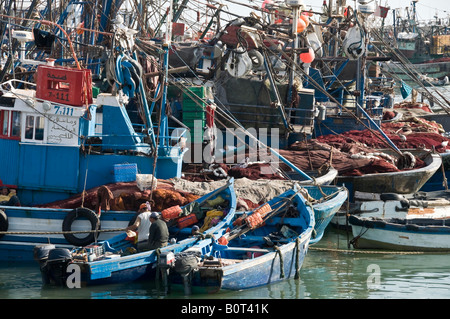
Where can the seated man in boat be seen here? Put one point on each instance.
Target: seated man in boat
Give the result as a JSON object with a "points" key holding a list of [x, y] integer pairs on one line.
{"points": [[159, 233], [8, 197], [142, 226]]}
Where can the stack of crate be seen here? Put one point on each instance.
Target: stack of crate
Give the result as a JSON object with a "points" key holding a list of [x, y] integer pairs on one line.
{"points": [[194, 115], [440, 44]]}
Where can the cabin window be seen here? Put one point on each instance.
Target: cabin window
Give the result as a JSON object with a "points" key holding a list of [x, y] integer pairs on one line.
{"points": [[34, 128], [9, 124], [15, 124], [5, 122]]}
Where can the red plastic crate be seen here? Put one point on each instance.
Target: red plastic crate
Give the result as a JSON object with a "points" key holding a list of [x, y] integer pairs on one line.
{"points": [[171, 212], [186, 221], [64, 85]]}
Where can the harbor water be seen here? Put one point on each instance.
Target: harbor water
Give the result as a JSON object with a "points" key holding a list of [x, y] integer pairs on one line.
{"points": [[330, 271]]}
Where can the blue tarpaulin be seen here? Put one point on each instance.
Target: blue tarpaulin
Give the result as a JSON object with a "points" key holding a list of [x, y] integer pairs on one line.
{"points": [[405, 89]]}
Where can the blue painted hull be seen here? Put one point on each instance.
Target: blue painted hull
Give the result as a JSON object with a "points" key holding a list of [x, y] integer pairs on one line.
{"points": [[41, 182], [139, 266], [130, 268], [266, 269], [25, 222], [324, 211], [436, 182], [243, 264]]}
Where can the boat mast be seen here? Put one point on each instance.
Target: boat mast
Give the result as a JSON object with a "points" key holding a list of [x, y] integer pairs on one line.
{"points": [[163, 130], [15, 44], [414, 16], [296, 5]]}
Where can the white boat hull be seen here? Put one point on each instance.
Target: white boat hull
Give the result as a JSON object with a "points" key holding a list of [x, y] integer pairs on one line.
{"points": [[402, 239]]}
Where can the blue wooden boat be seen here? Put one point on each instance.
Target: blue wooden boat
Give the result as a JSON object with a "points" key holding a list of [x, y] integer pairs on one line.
{"points": [[327, 200], [26, 227], [417, 221], [252, 255], [115, 260]]}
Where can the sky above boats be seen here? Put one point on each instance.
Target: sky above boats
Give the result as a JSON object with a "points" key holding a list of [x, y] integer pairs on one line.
{"points": [[426, 9]]}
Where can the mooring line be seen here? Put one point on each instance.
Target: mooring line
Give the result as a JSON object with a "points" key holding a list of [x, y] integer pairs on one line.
{"points": [[351, 251]]}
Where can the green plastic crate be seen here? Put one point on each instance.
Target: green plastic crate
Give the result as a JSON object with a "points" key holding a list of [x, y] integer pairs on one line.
{"points": [[199, 91], [192, 116], [194, 102], [193, 107]]}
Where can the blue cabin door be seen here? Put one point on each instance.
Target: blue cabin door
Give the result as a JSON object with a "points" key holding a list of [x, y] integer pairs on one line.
{"points": [[48, 167]]}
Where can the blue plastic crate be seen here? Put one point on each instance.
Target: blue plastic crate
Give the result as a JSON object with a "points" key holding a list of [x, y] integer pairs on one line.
{"points": [[125, 172]]}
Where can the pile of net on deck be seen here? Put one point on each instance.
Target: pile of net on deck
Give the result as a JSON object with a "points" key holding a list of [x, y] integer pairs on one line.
{"points": [[356, 153], [218, 171], [126, 196], [176, 191], [353, 153], [414, 107]]}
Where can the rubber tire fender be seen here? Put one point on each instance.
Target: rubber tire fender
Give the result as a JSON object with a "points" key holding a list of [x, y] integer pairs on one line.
{"points": [[4, 224], [71, 217]]}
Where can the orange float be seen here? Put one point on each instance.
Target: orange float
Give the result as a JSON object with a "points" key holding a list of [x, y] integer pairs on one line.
{"points": [[305, 19], [301, 25], [307, 57]]}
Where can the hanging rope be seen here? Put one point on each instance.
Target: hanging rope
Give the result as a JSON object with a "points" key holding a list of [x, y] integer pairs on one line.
{"points": [[297, 258], [85, 177], [278, 251]]}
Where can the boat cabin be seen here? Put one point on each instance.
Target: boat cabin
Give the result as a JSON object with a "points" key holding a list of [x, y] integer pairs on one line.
{"points": [[56, 140]]}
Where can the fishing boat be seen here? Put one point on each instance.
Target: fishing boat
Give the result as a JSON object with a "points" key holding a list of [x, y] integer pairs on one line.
{"points": [[67, 131], [98, 214], [117, 261], [60, 138], [403, 182], [326, 202], [420, 234], [268, 247], [25, 227], [427, 205], [430, 179], [416, 48]]}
